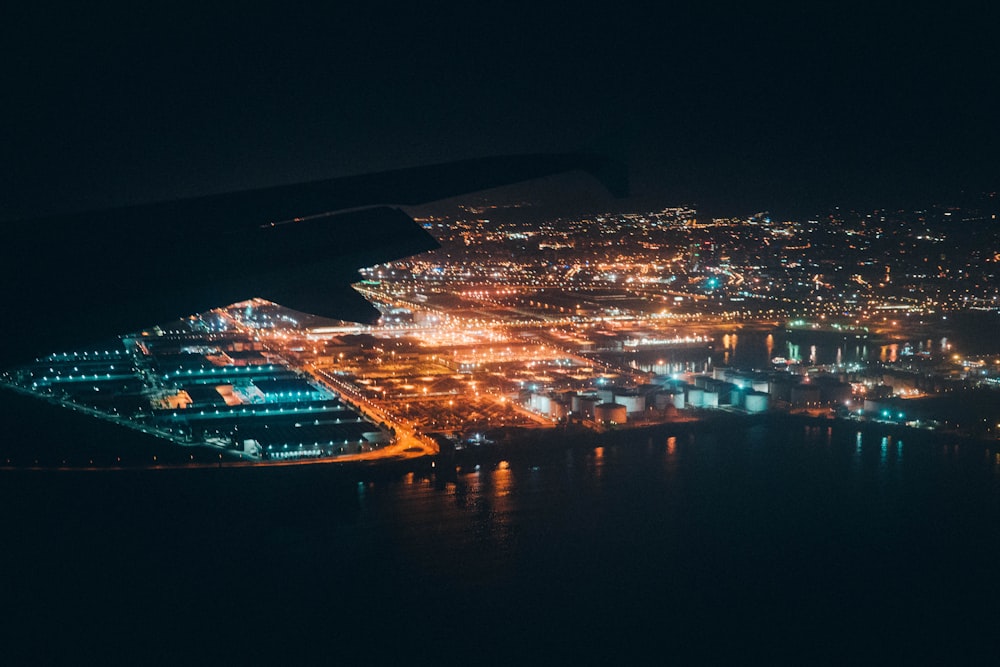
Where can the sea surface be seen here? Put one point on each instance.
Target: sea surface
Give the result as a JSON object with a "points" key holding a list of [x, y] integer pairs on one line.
{"points": [[970, 333], [775, 542]]}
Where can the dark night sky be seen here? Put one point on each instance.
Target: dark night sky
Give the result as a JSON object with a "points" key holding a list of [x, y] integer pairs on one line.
{"points": [[735, 110]]}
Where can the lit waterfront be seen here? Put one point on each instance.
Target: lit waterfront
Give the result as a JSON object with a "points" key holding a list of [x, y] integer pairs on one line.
{"points": [[606, 321], [439, 380]]}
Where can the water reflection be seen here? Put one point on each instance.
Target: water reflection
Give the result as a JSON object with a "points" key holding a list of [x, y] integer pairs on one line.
{"points": [[461, 494], [488, 498], [729, 342], [490, 523], [598, 459], [758, 349], [503, 480], [888, 352]]}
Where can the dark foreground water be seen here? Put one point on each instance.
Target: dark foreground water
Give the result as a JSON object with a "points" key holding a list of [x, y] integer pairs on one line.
{"points": [[772, 542]]}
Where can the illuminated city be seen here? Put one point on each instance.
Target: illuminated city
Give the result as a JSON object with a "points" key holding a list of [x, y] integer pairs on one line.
{"points": [[500, 334], [601, 322]]}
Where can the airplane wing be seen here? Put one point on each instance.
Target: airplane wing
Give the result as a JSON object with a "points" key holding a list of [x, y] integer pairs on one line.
{"points": [[91, 276]]}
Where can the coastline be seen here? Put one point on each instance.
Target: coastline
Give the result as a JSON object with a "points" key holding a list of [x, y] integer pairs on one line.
{"points": [[82, 444], [538, 442]]}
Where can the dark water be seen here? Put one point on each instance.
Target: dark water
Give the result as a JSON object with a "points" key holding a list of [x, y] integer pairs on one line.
{"points": [[969, 333], [756, 350], [774, 542]]}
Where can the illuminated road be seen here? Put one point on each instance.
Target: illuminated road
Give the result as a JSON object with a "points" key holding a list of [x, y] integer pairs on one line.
{"points": [[407, 444]]}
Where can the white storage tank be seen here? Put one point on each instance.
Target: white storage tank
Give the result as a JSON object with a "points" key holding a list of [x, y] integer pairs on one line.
{"points": [[541, 403], [695, 397], [755, 401], [662, 400], [632, 402], [587, 404], [736, 397], [610, 413]]}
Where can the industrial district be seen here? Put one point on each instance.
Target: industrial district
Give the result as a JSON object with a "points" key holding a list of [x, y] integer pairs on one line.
{"points": [[603, 322]]}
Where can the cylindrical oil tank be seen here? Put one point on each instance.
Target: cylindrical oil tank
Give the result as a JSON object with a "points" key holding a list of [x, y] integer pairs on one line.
{"points": [[695, 397], [612, 413], [632, 402], [755, 401]]}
